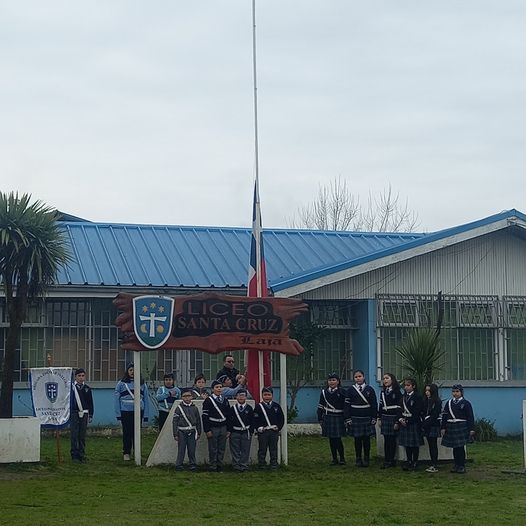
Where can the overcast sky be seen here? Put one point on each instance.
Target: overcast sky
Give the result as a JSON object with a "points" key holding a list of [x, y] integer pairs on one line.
{"points": [[135, 111]]}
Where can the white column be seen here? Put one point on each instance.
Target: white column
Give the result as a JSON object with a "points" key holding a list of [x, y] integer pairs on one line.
{"points": [[137, 406], [524, 430], [283, 403]]}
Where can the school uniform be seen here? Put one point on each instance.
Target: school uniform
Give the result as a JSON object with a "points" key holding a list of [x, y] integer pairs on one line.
{"points": [[240, 425], [81, 412], [199, 393], [215, 412], [389, 414], [457, 420], [124, 410], [186, 427], [411, 433], [268, 421], [431, 427], [330, 416], [166, 398], [360, 410]]}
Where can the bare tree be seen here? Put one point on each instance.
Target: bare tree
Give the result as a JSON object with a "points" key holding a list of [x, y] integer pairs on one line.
{"points": [[337, 208]]}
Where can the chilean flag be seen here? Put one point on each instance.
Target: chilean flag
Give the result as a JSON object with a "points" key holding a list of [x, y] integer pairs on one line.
{"points": [[257, 288]]}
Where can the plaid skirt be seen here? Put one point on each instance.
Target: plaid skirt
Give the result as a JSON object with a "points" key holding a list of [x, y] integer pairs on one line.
{"points": [[432, 432], [410, 436], [361, 427], [388, 423], [457, 434], [332, 426]]}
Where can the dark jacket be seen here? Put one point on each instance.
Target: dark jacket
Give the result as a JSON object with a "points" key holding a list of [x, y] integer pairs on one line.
{"points": [[192, 414], [392, 400], [331, 403], [231, 373], [462, 410], [274, 413], [211, 416], [432, 413], [86, 398], [246, 416], [415, 406], [355, 405]]}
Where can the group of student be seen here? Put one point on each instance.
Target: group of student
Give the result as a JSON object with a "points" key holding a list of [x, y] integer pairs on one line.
{"points": [[219, 420], [404, 419]]}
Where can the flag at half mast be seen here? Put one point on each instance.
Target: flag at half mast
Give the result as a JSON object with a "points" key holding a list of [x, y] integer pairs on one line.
{"points": [[257, 288]]}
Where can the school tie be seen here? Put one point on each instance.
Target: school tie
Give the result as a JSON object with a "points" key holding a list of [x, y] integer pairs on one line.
{"points": [[360, 387]]}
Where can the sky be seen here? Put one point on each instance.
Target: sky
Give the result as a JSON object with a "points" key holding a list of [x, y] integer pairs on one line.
{"points": [[142, 112]]}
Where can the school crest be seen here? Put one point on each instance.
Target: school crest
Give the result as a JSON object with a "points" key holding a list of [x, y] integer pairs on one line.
{"points": [[152, 319], [51, 391]]}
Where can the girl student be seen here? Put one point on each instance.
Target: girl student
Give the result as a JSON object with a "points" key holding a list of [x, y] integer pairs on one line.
{"points": [[458, 427], [124, 407], [330, 416], [389, 414], [431, 423], [360, 413], [410, 424]]}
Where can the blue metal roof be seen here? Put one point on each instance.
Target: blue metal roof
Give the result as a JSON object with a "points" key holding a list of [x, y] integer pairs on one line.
{"points": [[112, 254], [185, 256]]}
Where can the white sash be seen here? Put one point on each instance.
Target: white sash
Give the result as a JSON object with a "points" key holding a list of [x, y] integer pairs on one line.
{"points": [[329, 408], [367, 404], [406, 412], [453, 417], [82, 411], [385, 406], [269, 426], [128, 389], [240, 420], [222, 419]]}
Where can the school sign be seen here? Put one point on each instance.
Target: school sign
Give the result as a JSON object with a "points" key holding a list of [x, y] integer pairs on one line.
{"points": [[208, 322]]}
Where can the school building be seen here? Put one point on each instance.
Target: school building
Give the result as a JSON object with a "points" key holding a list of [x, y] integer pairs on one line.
{"points": [[367, 289]]}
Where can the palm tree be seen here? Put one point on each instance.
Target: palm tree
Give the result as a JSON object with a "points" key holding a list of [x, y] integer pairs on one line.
{"points": [[32, 249]]}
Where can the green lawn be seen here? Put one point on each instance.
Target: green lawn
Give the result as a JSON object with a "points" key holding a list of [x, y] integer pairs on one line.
{"points": [[107, 490]]}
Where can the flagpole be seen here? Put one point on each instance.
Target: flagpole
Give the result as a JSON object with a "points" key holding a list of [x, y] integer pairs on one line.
{"points": [[256, 152]]}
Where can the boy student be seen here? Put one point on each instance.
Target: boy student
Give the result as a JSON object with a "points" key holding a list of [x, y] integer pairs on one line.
{"points": [[186, 430], [166, 396], [268, 421], [240, 420], [81, 413], [215, 412]]}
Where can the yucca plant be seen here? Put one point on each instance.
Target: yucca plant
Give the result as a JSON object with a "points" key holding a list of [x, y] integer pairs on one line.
{"points": [[32, 249], [421, 355]]}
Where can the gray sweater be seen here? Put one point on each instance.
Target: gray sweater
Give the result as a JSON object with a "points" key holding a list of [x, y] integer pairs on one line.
{"points": [[180, 423]]}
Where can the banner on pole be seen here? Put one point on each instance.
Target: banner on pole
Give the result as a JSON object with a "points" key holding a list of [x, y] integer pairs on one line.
{"points": [[50, 394]]}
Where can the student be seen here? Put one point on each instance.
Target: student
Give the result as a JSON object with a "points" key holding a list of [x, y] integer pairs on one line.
{"points": [[81, 413], [268, 421], [431, 423], [389, 414], [166, 396], [330, 416], [360, 413], [229, 391], [240, 426], [198, 389], [186, 425], [124, 407], [458, 427], [410, 424], [215, 412]]}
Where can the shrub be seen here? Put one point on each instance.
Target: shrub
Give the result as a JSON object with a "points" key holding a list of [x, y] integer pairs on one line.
{"points": [[485, 430]]}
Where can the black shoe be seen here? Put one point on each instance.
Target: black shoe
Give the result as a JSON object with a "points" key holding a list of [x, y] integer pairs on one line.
{"points": [[342, 462], [274, 466], [219, 469], [365, 463], [334, 462], [359, 463], [262, 466], [414, 466], [212, 468], [454, 469], [393, 464], [385, 465], [461, 469], [179, 468], [406, 466], [193, 468]]}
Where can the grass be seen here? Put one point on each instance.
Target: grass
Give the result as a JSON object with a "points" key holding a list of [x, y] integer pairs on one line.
{"points": [[108, 491]]}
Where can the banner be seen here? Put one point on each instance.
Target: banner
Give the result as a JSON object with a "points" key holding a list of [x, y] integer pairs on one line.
{"points": [[50, 394]]}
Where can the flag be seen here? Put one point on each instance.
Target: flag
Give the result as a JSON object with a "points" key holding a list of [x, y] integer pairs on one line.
{"points": [[50, 394], [257, 288]]}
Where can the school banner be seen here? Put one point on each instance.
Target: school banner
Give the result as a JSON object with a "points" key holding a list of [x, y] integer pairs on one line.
{"points": [[50, 394]]}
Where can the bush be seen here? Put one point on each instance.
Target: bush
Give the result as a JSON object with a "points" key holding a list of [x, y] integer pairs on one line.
{"points": [[292, 414], [485, 430]]}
